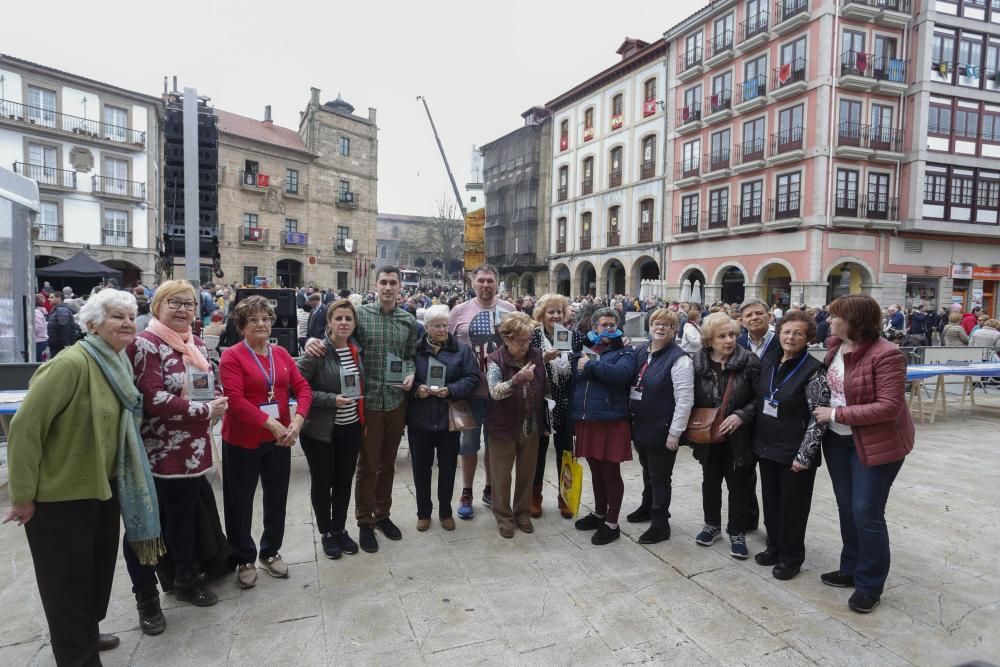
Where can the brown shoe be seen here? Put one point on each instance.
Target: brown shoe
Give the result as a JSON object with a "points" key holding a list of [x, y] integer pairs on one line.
{"points": [[536, 501], [505, 530], [107, 642], [563, 509], [423, 524], [448, 523], [525, 525]]}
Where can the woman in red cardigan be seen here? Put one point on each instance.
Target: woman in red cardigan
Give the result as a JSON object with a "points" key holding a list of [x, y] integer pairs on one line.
{"points": [[258, 432], [870, 434]]}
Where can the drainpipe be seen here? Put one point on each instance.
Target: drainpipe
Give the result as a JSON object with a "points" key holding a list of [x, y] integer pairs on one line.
{"points": [[834, 110]]}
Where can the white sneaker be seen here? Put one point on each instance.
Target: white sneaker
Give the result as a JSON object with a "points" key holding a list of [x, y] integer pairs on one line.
{"points": [[246, 575], [275, 566]]}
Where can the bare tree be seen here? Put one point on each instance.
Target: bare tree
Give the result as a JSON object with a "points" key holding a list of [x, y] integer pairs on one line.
{"points": [[437, 238]]}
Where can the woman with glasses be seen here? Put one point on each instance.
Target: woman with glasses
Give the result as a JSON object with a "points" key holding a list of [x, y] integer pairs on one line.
{"points": [[603, 375], [258, 432], [515, 418]]}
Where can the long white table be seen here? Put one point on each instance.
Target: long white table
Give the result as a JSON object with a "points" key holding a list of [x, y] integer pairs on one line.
{"points": [[918, 374]]}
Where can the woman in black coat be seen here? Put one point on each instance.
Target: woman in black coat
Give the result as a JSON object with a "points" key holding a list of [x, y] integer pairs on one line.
{"points": [[719, 359], [427, 414]]}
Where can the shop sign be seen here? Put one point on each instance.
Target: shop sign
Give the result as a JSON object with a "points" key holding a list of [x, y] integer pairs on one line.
{"points": [[969, 272]]}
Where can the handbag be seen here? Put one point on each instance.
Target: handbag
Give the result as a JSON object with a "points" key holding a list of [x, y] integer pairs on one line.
{"points": [[703, 424], [571, 482], [460, 417]]}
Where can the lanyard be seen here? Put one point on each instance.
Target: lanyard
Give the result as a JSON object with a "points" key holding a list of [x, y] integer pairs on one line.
{"points": [[269, 379], [774, 369]]}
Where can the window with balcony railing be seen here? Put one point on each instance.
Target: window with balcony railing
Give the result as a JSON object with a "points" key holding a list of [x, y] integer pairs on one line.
{"points": [[40, 111], [718, 159], [689, 113], [786, 9], [719, 101], [750, 150], [961, 194], [786, 139], [788, 73], [718, 208], [47, 177], [689, 217], [755, 24]]}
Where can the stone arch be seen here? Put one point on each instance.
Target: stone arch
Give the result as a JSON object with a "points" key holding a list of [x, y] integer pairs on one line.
{"points": [[527, 284], [687, 270], [288, 272], [585, 278], [858, 281], [561, 280], [510, 285], [763, 266], [726, 265], [643, 268], [612, 277], [850, 260]]}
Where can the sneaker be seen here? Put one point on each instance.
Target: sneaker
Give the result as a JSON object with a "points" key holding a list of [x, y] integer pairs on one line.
{"points": [[655, 534], [465, 510], [488, 497], [862, 602], [709, 535], [389, 529], [590, 522], [331, 546], [366, 536], [246, 575], [605, 535], [837, 579], [640, 515], [738, 546], [275, 566], [347, 545]]}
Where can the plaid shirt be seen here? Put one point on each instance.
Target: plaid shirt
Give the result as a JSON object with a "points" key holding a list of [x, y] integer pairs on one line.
{"points": [[381, 334]]}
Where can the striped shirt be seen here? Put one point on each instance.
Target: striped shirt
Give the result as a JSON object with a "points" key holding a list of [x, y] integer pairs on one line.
{"points": [[346, 414], [380, 334]]}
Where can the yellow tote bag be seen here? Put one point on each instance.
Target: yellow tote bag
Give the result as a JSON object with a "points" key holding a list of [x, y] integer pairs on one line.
{"points": [[570, 481]]}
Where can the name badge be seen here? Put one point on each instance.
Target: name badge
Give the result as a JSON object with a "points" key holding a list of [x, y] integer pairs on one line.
{"points": [[269, 409], [635, 394], [770, 408]]}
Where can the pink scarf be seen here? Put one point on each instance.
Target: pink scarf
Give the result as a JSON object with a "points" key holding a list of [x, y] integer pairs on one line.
{"points": [[181, 342]]}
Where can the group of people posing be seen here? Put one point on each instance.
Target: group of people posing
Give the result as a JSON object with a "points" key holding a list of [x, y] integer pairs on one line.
{"points": [[118, 427]]}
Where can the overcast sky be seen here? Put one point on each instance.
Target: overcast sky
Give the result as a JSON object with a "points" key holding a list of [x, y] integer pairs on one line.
{"points": [[478, 64]]}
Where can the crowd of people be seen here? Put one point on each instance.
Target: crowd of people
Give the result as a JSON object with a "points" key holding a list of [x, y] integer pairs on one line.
{"points": [[117, 430]]}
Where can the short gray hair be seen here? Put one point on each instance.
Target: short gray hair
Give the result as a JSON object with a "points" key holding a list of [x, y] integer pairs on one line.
{"points": [[604, 312], [435, 312], [752, 301], [96, 308]]}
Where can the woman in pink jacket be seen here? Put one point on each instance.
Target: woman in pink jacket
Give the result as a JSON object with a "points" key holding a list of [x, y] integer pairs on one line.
{"points": [[870, 434]]}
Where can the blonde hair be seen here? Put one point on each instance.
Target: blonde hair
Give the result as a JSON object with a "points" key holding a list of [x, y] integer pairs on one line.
{"points": [[710, 327], [547, 300], [955, 318], [516, 324], [665, 315], [171, 289]]}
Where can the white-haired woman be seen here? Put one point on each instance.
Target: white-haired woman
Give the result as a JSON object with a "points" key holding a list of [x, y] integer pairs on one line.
{"points": [[427, 414], [77, 469]]}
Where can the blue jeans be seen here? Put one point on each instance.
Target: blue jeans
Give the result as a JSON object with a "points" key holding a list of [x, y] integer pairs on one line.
{"points": [[862, 492]]}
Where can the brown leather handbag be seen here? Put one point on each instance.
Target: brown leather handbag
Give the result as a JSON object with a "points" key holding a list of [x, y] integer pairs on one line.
{"points": [[460, 416], [703, 424]]}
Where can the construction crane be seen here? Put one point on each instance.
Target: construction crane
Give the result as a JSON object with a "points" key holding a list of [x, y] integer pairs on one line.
{"points": [[451, 177]]}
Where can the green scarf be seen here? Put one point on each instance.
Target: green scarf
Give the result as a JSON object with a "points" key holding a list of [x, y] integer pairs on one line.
{"points": [[136, 493]]}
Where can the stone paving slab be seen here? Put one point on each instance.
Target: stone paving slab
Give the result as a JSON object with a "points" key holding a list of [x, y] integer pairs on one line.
{"points": [[551, 598]]}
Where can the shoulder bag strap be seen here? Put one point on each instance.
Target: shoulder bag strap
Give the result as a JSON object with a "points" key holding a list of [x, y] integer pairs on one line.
{"points": [[726, 393]]}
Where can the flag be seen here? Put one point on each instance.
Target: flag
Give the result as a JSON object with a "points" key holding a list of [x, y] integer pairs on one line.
{"points": [[785, 73], [861, 61]]}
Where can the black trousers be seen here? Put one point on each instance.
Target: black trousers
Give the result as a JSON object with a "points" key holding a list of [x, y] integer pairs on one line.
{"points": [[74, 547], [331, 475], [786, 497], [563, 442], [657, 472], [241, 469], [718, 466], [423, 445]]}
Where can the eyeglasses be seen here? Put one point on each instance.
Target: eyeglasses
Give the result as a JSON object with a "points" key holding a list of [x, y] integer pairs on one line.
{"points": [[181, 305], [519, 341], [254, 321], [660, 325]]}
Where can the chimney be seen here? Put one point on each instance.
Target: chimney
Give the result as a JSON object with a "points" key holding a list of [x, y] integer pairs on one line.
{"points": [[371, 114], [267, 116], [315, 96], [175, 83]]}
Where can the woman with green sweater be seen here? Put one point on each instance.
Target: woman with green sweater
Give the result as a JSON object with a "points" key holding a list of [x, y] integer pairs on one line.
{"points": [[77, 469]]}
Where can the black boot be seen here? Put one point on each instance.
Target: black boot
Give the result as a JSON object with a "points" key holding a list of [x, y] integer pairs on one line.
{"points": [[189, 587], [147, 602]]}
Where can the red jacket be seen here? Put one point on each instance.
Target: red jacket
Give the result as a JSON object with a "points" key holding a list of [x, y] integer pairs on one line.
{"points": [[245, 385], [969, 322], [876, 410]]}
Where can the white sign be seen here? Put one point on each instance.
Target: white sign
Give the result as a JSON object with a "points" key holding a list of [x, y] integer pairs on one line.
{"points": [[349, 245]]}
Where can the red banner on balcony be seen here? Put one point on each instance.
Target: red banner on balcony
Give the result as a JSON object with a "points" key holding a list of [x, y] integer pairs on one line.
{"points": [[617, 121], [255, 234], [785, 73], [648, 108], [861, 61], [263, 180], [588, 133], [563, 143]]}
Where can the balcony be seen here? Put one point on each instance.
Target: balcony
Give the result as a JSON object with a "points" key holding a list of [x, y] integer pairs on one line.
{"points": [[720, 49], [789, 15], [689, 118], [881, 209], [750, 155], [645, 233], [689, 64], [120, 238], [868, 212], [118, 188], [718, 218], [562, 193], [63, 125], [751, 94], [588, 133], [295, 240], [347, 199], [42, 232], [614, 239], [753, 31], [615, 178], [787, 145], [749, 215], [785, 211], [617, 121], [254, 181], [886, 142], [686, 225], [647, 170], [563, 143], [717, 164], [863, 71], [253, 236], [586, 186], [719, 106], [561, 245], [788, 79], [48, 178], [852, 141], [890, 13], [687, 172], [584, 243]]}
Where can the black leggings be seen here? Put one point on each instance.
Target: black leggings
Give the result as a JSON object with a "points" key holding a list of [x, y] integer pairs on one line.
{"points": [[563, 443], [331, 472]]}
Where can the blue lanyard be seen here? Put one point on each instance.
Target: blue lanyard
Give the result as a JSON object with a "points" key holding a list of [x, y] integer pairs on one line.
{"points": [[774, 369], [269, 379]]}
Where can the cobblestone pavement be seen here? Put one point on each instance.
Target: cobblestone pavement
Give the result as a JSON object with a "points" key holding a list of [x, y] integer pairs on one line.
{"points": [[551, 598]]}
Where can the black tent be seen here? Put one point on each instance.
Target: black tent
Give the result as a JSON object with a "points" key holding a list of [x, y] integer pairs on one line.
{"points": [[80, 265]]}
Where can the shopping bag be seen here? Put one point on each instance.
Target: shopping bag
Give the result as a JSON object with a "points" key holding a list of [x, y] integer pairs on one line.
{"points": [[571, 481]]}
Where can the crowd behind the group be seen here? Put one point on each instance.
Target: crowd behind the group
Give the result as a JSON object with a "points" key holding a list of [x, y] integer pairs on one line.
{"points": [[116, 429]]}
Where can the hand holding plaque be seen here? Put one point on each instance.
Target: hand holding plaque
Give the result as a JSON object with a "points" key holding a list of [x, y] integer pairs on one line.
{"points": [[435, 373]]}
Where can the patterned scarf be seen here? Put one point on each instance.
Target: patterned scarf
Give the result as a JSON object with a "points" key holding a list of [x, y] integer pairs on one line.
{"points": [[181, 342], [136, 493]]}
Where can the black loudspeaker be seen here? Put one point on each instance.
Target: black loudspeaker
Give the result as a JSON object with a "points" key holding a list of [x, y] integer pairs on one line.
{"points": [[286, 338], [282, 301]]}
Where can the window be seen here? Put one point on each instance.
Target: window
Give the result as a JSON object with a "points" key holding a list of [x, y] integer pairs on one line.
{"points": [[42, 106], [649, 90], [854, 41], [345, 188], [692, 104], [249, 221], [692, 50], [343, 233], [718, 208], [756, 17], [563, 183], [47, 222], [787, 190], [114, 177], [588, 124], [966, 124], [878, 195], [991, 127], [691, 159], [942, 51], [613, 236], [649, 156], [646, 220], [561, 235], [719, 144], [935, 186], [793, 62], [249, 273], [970, 57], [689, 213], [115, 123], [961, 190], [988, 192], [617, 104], [849, 130], [44, 164], [754, 79], [291, 225], [722, 33], [751, 198], [939, 120], [722, 91], [585, 230], [345, 146], [790, 128], [753, 139], [292, 181], [615, 175], [115, 231], [564, 135], [587, 185], [847, 193], [251, 167], [382, 252]]}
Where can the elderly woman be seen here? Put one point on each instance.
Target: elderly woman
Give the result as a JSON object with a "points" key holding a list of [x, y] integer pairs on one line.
{"points": [[41, 326], [725, 378], [953, 335], [332, 433], [691, 333], [169, 362], [659, 407], [988, 335], [515, 418], [601, 418], [77, 469], [787, 440], [552, 310], [427, 414], [258, 431], [870, 433]]}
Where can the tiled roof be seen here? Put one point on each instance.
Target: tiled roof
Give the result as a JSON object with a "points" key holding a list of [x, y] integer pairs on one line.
{"points": [[258, 130]]}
